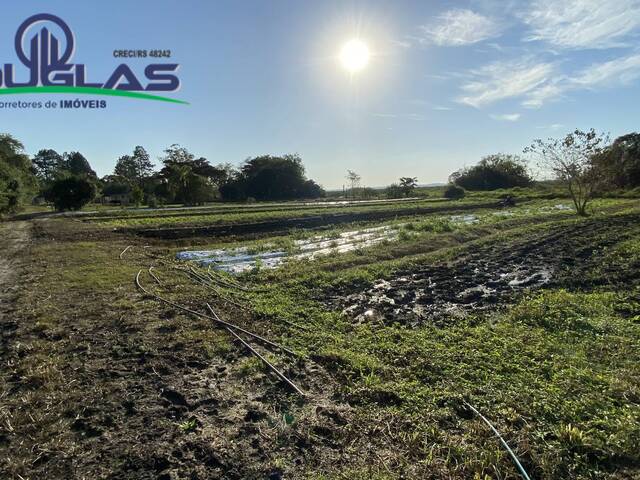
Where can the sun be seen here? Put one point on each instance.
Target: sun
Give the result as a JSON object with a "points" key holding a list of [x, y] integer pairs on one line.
{"points": [[354, 55]]}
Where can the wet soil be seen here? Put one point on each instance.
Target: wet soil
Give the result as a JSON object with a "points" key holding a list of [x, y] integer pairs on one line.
{"points": [[486, 276]]}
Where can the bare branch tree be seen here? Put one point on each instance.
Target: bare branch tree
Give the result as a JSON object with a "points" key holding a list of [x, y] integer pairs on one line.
{"points": [[570, 159], [354, 181]]}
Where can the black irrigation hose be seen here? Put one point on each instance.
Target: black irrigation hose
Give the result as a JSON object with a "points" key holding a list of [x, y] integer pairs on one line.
{"points": [[517, 463], [207, 284], [281, 375], [228, 285], [221, 322], [233, 283], [208, 280], [223, 281]]}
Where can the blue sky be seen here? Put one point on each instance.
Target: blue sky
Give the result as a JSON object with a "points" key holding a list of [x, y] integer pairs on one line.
{"points": [[448, 82]]}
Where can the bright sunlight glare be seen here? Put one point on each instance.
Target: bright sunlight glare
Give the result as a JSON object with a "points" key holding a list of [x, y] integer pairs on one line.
{"points": [[354, 55]]}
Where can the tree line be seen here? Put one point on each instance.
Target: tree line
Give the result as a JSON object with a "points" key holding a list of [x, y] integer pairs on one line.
{"points": [[587, 163], [68, 181]]}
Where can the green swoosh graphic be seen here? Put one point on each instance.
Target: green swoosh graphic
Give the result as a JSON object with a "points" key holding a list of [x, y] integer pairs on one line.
{"points": [[88, 91]]}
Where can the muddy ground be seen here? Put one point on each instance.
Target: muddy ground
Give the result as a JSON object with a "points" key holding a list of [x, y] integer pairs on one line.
{"points": [[488, 276]]}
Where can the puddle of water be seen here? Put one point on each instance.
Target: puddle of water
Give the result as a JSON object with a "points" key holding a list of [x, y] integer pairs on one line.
{"points": [[524, 279], [238, 260], [466, 219], [562, 206]]}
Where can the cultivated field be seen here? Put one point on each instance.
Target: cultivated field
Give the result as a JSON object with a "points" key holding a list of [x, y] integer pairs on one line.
{"points": [[388, 320]]}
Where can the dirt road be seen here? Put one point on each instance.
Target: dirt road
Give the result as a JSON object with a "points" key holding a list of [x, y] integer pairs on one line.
{"points": [[14, 238]]}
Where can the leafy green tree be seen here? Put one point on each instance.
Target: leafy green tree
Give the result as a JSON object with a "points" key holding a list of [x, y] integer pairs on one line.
{"points": [[18, 183], [76, 164], [47, 164], [71, 193], [310, 189], [408, 185], [620, 162], [177, 154], [225, 173], [198, 190], [234, 189], [176, 177], [114, 185], [125, 168], [570, 159], [494, 172], [216, 175], [273, 178], [269, 177], [135, 168]]}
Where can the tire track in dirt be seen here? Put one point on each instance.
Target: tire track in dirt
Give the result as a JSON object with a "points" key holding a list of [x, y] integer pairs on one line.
{"points": [[14, 238]]}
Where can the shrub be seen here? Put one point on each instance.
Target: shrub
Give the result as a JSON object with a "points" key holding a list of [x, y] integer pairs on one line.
{"points": [[271, 178], [454, 192], [494, 172], [71, 193], [394, 191]]}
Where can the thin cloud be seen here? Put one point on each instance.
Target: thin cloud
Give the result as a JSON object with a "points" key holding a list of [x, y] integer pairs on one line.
{"points": [[618, 72], [459, 27], [554, 89], [583, 24], [623, 70], [506, 117], [501, 80], [537, 83]]}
